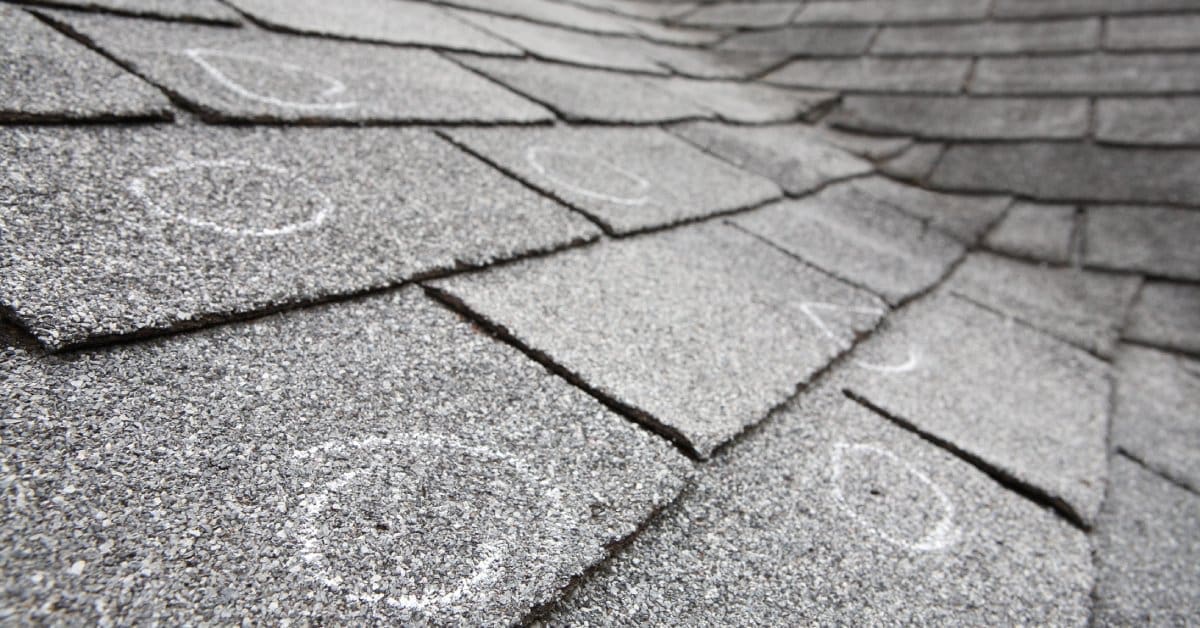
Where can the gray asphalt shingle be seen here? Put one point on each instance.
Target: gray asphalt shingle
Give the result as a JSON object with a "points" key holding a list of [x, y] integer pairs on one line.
{"points": [[1072, 172], [1147, 551], [374, 462], [852, 235], [830, 515], [763, 14], [876, 74], [1030, 408], [965, 217], [1154, 415], [958, 117], [987, 38], [1060, 8], [804, 40], [791, 156], [1090, 74], [44, 75], [590, 95], [735, 101], [1036, 231], [1084, 308], [112, 231], [697, 331], [1153, 32], [1153, 121], [403, 22], [1156, 241], [891, 11], [206, 11], [625, 179], [232, 74], [1166, 315]]}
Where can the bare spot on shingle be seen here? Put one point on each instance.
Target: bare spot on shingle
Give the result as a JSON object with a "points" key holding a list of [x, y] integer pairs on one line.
{"points": [[47, 76], [1025, 406], [114, 231], [378, 455], [698, 331], [247, 75], [626, 179]]}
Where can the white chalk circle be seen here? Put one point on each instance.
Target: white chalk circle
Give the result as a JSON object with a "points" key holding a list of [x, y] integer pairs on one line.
{"points": [[941, 535], [226, 183], [812, 309], [328, 86], [552, 163], [412, 469]]}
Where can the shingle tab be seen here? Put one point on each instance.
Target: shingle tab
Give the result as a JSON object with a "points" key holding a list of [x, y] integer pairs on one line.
{"points": [[1072, 172], [737, 101], [1083, 308], [1157, 241], [1154, 417], [698, 331], [1062, 8], [231, 74], [206, 11], [1156, 32], [373, 462], [386, 21], [626, 179], [964, 217], [1025, 405], [1146, 551], [987, 38], [959, 117], [764, 14], [113, 231], [1098, 74], [1150, 121], [853, 236], [1166, 315], [830, 515], [792, 156], [556, 44], [589, 95], [804, 40], [46, 76], [870, 74], [891, 11], [1036, 231]]}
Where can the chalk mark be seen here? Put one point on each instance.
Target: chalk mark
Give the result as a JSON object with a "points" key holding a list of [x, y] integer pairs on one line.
{"points": [[534, 154], [137, 186], [943, 534], [335, 86]]}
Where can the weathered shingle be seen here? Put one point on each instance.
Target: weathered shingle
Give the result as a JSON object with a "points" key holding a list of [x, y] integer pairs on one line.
{"points": [[1036, 231], [989, 38], [236, 74], [369, 462], [1166, 315], [1154, 415], [46, 76], [1150, 121], [113, 231], [698, 331], [1027, 407], [1156, 241], [1093, 74], [868, 74], [625, 179], [960, 117]]}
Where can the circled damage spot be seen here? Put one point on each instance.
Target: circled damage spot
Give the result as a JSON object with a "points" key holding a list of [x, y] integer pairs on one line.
{"points": [[249, 76], [589, 176], [233, 197]]}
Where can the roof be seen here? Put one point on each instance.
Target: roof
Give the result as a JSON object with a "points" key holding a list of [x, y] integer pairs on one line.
{"points": [[600, 311]]}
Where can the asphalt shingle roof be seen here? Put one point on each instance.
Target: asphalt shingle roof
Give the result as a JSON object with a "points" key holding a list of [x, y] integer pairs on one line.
{"points": [[595, 312]]}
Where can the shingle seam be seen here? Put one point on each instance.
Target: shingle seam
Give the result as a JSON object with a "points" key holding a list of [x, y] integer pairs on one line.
{"points": [[1160, 473], [1002, 477], [140, 14], [611, 551], [631, 412]]}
